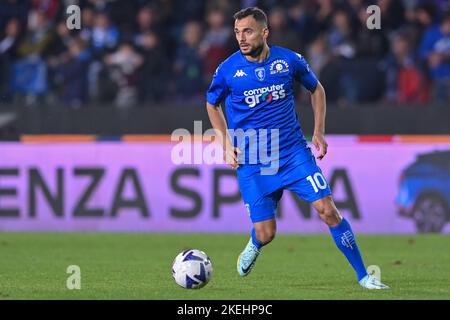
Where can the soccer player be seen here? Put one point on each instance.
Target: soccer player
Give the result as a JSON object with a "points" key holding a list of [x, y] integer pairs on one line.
{"points": [[256, 85]]}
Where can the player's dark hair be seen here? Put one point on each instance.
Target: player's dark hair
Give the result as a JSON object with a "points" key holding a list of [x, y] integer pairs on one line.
{"points": [[258, 14]]}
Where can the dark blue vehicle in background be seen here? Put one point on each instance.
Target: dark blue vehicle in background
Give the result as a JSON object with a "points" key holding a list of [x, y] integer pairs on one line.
{"points": [[424, 193]]}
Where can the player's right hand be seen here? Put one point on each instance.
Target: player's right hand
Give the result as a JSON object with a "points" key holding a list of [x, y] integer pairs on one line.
{"points": [[230, 155], [321, 145]]}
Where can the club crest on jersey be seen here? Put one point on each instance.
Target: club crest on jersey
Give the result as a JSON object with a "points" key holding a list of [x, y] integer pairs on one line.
{"points": [[279, 66], [260, 73]]}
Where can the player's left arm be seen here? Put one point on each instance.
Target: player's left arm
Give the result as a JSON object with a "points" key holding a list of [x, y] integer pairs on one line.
{"points": [[318, 101], [308, 79]]}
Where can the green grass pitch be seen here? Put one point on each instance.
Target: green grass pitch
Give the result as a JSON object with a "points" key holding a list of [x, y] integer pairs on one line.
{"points": [[138, 266]]}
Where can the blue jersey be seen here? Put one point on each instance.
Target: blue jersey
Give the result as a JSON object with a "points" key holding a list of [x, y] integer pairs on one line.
{"points": [[259, 97]]}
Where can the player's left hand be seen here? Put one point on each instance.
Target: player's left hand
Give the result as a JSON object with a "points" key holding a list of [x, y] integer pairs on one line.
{"points": [[321, 145]]}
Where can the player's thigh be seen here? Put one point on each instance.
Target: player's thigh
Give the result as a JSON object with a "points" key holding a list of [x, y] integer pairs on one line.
{"points": [[313, 186]]}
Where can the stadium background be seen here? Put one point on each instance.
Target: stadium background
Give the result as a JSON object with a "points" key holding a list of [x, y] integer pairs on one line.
{"points": [[86, 117]]}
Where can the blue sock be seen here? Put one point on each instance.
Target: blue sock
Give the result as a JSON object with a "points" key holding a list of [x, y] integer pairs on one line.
{"points": [[256, 241], [345, 240]]}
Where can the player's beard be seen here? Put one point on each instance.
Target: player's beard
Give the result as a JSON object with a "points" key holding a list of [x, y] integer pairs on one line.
{"points": [[256, 51]]}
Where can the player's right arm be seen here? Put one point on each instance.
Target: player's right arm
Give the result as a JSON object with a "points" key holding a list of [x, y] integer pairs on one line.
{"points": [[216, 94], [219, 124]]}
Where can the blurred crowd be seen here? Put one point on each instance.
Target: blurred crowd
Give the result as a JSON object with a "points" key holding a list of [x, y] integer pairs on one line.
{"points": [[142, 52]]}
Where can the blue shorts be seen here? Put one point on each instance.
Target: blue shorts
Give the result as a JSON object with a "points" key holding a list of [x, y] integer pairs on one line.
{"points": [[261, 193]]}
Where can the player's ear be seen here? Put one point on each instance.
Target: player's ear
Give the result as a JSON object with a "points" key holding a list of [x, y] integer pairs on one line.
{"points": [[265, 31]]}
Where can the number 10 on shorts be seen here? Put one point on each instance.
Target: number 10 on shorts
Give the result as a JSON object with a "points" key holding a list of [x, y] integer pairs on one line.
{"points": [[317, 181]]}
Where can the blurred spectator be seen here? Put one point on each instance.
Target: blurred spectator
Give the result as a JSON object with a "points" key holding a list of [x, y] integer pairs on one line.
{"points": [[215, 46], [122, 14], [280, 34], [435, 50], [13, 9], [87, 22], [30, 72], [104, 40], [58, 53], [370, 43], [342, 36], [72, 74], [320, 60], [342, 44], [418, 19], [189, 63], [184, 11], [178, 53], [404, 81], [318, 54], [61, 41], [123, 65], [324, 14], [155, 72], [99, 5], [392, 14], [8, 53], [105, 37], [39, 36], [49, 7], [148, 20], [426, 14], [304, 24]]}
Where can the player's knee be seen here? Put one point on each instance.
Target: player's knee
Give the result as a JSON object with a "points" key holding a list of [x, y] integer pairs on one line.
{"points": [[330, 215], [265, 236]]}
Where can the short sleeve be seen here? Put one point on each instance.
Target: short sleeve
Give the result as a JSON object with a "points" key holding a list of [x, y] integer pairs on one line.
{"points": [[218, 89], [304, 74]]}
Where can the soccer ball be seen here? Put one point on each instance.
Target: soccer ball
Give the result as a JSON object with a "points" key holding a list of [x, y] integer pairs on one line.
{"points": [[192, 269]]}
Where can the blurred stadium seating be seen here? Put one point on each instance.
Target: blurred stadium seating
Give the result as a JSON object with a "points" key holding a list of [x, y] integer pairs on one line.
{"points": [[139, 57], [139, 53]]}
